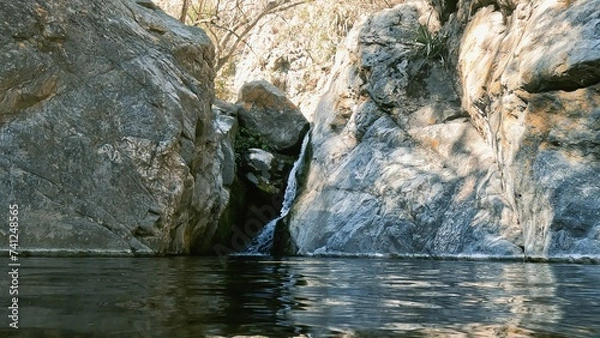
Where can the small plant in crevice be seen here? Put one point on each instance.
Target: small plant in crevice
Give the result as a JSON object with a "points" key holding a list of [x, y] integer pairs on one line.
{"points": [[429, 49], [246, 139], [430, 46]]}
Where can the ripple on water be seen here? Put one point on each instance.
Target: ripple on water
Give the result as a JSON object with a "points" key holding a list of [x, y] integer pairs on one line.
{"points": [[310, 297]]}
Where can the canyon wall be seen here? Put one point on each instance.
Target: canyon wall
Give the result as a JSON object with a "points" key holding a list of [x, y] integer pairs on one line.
{"points": [[462, 129]]}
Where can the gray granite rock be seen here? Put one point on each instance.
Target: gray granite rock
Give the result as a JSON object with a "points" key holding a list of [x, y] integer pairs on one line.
{"points": [[536, 101], [107, 135], [495, 158], [260, 160]]}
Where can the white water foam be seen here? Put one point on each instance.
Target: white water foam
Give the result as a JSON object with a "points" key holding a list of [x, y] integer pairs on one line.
{"points": [[262, 244]]}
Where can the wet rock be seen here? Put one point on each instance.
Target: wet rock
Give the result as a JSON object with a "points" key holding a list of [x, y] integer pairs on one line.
{"points": [[260, 160]]}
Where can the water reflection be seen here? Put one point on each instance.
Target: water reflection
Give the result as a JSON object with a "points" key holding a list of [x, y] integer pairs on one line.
{"points": [[305, 297]]}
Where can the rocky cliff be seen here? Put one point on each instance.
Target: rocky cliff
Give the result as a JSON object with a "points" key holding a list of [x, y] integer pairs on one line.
{"points": [[108, 141], [446, 128], [467, 128]]}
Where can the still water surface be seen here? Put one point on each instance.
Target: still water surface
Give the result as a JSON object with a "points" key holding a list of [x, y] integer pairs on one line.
{"points": [[302, 297]]}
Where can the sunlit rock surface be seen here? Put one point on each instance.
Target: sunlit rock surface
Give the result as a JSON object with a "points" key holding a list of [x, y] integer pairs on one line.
{"points": [[537, 103], [493, 152], [107, 135]]}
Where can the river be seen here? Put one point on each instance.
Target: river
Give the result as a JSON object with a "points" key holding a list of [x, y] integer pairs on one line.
{"points": [[302, 297]]}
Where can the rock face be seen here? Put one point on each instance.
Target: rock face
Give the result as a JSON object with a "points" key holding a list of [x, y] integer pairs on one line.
{"points": [[537, 103], [108, 141], [270, 114], [492, 152], [285, 64]]}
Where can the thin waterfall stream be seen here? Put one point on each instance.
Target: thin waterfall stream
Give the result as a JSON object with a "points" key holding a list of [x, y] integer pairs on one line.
{"points": [[263, 242]]}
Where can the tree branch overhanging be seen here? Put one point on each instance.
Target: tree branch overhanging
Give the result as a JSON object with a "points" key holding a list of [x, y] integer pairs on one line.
{"points": [[229, 24]]}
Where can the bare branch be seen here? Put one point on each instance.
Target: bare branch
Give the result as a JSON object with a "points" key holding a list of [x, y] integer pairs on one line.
{"points": [[184, 10], [230, 23]]}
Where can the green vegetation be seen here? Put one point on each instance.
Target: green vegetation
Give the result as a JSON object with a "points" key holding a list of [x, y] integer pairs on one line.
{"points": [[430, 46], [246, 139]]}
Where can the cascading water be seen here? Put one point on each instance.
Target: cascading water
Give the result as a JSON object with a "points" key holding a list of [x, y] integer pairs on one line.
{"points": [[263, 242]]}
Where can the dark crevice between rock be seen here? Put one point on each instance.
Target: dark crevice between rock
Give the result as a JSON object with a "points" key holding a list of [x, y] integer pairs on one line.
{"points": [[581, 76], [140, 232], [267, 142], [417, 86], [461, 115], [234, 214], [569, 86], [445, 8], [505, 7]]}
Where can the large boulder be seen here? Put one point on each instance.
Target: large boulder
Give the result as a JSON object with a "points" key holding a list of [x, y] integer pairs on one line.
{"points": [[498, 159], [108, 141], [270, 114]]}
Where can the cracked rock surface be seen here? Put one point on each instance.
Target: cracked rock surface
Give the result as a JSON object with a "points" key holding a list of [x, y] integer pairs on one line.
{"points": [[493, 152], [107, 139]]}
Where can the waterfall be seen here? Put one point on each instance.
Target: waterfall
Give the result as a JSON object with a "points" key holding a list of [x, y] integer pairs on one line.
{"points": [[263, 242]]}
